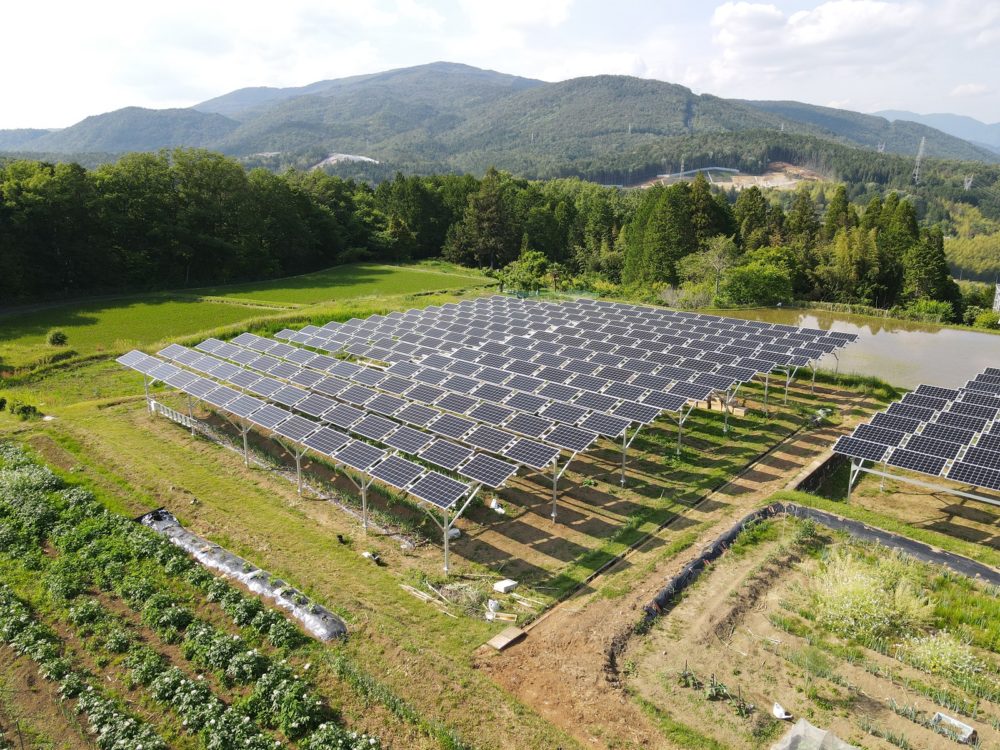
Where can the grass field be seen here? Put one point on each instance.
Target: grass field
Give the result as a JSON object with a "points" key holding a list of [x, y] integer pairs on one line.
{"points": [[135, 321], [350, 282]]}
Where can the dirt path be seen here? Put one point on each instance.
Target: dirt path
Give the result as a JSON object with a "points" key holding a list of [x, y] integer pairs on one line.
{"points": [[559, 668]]}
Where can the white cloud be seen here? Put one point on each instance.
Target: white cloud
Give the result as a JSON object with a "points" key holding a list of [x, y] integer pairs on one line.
{"points": [[969, 89]]}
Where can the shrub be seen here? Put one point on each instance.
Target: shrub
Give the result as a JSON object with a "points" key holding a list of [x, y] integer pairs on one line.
{"points": [[117, 641], [857, 600], [940, 653], [3, 403], [333, 737], [986, 319], [56, 337], [86, 613]]}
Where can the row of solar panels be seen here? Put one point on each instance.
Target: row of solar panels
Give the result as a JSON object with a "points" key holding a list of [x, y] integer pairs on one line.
{"points": [[532, 415], [711, 363], [424, 484], [338, 401], [424, 405], [617, 344], [588, 314], [641, 322], [951, 432], [530, 384]]}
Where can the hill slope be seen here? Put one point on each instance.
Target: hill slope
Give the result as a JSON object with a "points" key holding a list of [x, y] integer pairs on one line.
{"points": [[967, 128], [901, 136], [136, 129], [445, 116]]}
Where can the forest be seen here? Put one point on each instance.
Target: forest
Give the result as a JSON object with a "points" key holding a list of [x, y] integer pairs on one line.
{"points": [[191, 217]]}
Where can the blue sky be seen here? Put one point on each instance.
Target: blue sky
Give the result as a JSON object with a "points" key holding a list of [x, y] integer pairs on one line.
{"points": [[79, 59]]}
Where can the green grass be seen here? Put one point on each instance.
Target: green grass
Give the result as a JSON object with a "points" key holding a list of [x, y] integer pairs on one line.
{"points": [[98, 327], [344, 282], [112, 325], [971, 550], [679, 734]]}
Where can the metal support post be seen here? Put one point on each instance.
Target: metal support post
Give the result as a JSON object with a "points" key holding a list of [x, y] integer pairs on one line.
{"points": [[445, 529], [555, 485], [624, 450], [788, 380], [836, 370], [812, 387], [145, 388], [191, 414], [725, 414], [767, 387], [852, 475], [246, 448]]}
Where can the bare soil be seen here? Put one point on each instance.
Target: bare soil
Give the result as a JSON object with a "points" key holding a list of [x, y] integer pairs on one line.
{"points": [[31, 710]]}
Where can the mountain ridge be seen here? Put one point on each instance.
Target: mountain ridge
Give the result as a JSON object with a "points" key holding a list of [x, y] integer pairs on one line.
{"points": [[450, 116]]}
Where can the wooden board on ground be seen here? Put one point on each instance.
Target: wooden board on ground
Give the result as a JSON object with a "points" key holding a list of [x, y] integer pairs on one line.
{"points": [[506, 638]]}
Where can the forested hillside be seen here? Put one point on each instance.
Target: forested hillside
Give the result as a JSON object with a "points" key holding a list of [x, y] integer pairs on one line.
{"points": [[445, 117], [191, 217]]}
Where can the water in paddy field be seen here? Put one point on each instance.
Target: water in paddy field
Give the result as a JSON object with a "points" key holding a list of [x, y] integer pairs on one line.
{"points": [[900, 352]]}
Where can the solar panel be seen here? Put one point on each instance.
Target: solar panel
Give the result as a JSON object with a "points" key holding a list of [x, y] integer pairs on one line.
{"points": [[528, 424], [397, 472], [451, 426], [374, 427], [488, 438], [244, 406], [269, 416], [417, 414], [356, 394], [343, 415], [289, 395], [403, 369], [306, 378], [625, 391], [890, 422], [445, 454], [973, 410], [934, 391], [933, 447], [359, 455], [926, 402], [407, 440], [567, 413], [691, 391], [200, 387], [604, 424], [664, 401], [221, 396], [325, 440], [570, 438], [457, 403], [910, 412], [439, 490], [296, 428], [982, 457], [595, 401], [879, 435], [491, 413], [490, 471], [524, 383], [526, 402], [964, 421], [531, 454], [855, 448], [990, 442], [978, 476], [636, 412], [921, 462], [385, 404], [944, 432]]}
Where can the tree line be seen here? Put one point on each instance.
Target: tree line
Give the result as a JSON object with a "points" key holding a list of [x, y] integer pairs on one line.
{"points": [[190, 217]]}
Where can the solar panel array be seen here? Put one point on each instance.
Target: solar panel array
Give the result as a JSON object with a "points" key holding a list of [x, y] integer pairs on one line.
{"points": [[521, 380], [407, 476], [948, 432], [627, 361]]}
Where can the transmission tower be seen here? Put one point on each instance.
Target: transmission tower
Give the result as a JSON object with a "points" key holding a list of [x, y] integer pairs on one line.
{"points": [[920, 155], [968, 181]]}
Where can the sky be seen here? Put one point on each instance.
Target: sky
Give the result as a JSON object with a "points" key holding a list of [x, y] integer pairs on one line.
{"points": [[67, 60]]}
